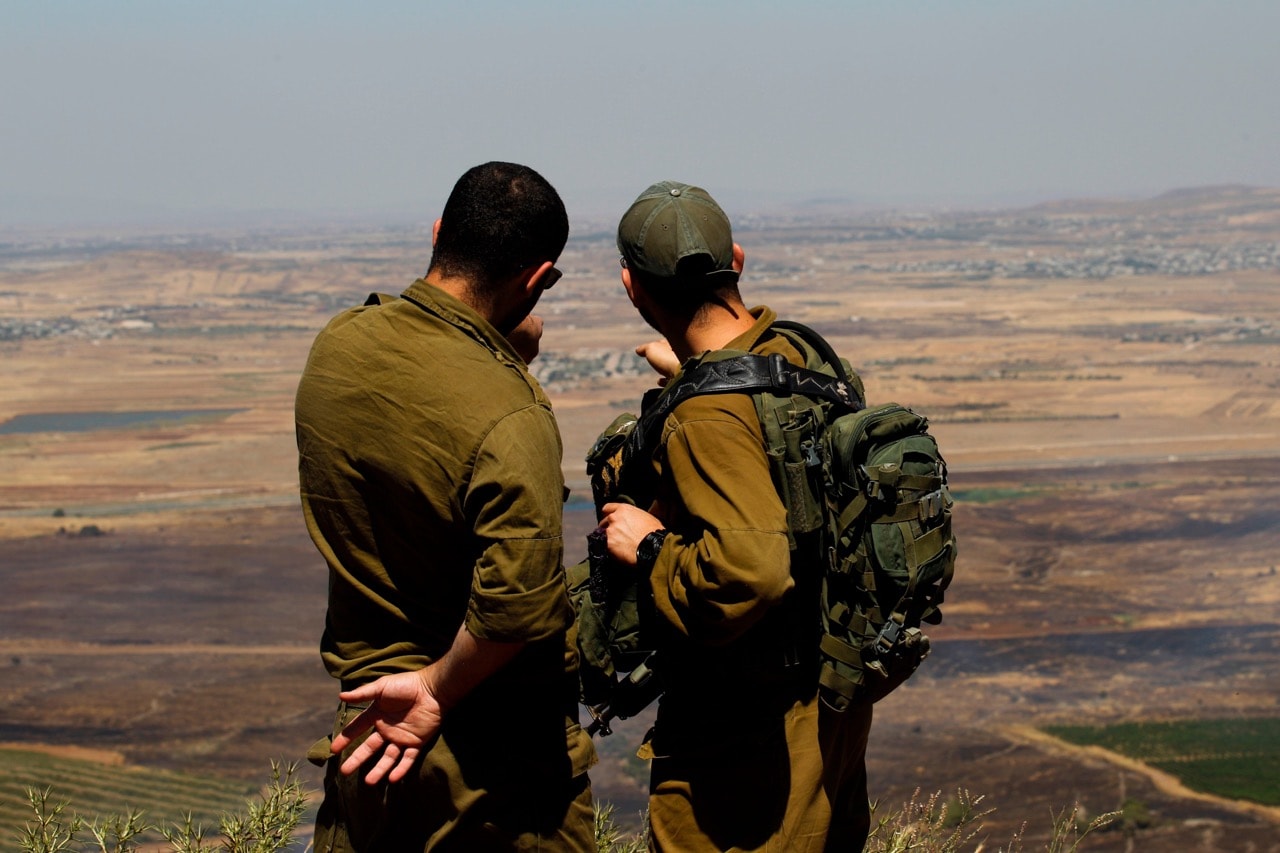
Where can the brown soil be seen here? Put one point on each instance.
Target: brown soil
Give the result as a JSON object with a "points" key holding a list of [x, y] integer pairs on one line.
{"points": [[79, 753], [1114, 443]]}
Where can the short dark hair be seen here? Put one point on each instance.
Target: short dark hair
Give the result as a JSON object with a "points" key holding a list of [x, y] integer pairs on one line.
{"points": [[499, 219], [686, 295]]}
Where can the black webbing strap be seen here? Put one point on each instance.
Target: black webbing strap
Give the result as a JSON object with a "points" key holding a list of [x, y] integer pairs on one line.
{"points": [[751, 374], [744, 374]]}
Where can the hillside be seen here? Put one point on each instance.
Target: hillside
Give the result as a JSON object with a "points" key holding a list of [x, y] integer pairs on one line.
{"points": [[1103, 377]]}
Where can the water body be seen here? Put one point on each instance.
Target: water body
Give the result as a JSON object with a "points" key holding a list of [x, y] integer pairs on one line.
{"points": [[93, 421]]}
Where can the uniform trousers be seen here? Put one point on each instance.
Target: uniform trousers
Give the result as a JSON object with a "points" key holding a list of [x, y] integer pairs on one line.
{"points": [[798, 785], [465, 795]]}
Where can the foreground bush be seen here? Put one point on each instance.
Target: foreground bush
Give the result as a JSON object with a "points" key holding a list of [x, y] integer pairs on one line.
{"points": [[265, 826], [922, 826], [930, 825], [953, 826]]}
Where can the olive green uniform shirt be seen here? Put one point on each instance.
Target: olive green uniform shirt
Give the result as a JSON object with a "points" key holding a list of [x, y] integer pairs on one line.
{"points": [[726, 564], [746, 755], [429, 464]]}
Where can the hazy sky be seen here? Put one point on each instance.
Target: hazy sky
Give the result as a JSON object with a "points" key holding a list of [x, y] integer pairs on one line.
{"points": [[139, 109]]}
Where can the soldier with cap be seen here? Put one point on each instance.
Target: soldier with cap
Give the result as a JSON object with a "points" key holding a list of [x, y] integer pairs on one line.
{"points": [[745, 755]]}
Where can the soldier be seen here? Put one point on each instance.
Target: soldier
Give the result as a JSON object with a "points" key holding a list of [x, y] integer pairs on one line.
{"points": [[429, 462], [745, 756]]}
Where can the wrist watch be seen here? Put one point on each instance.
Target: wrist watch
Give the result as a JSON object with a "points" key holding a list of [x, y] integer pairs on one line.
{"points": [[647, 550]]}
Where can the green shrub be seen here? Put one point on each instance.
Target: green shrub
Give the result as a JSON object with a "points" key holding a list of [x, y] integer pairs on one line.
{"points": [[928, 825], [266, 825]]}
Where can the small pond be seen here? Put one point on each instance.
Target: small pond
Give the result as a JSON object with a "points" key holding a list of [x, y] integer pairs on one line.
{"points": [[91, 421]]}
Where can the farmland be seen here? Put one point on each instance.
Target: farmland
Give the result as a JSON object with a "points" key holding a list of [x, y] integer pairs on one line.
{"points": [[1103, 378], [1234, 758], [102, 785]]}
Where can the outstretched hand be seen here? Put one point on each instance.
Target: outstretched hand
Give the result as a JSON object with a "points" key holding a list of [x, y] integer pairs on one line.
{"points": [[404, 716], [661, 358]]}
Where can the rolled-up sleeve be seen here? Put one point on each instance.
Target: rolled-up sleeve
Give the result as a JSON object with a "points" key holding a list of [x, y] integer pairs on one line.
{"points": [[515, 498], [727, 563]]}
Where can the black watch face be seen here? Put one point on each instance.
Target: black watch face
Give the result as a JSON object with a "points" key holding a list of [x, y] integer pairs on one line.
{"points": [[650, 545]]}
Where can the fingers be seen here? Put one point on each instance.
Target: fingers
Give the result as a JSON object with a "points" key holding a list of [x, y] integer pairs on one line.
{"points": [[390, 740], [624, 526], [407, 760], [355, 728], [362, 753], [365, 693], [394, 764], [660, 357], [386, 762], [615, 515]]}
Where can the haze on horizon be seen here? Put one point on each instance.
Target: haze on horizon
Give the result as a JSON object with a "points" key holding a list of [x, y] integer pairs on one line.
{"points": [[147, 111]]}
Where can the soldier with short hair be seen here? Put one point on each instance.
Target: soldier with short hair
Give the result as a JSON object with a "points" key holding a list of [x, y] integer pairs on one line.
{"points": [[429, 463]]}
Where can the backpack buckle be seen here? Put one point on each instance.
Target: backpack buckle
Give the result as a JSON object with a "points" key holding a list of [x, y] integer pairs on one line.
{"points": [[779, 371], [881, 480], [931, 505], [888, 637], [810, 450]]}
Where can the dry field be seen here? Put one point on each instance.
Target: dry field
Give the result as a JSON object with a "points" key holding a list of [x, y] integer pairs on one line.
{"points": [[1103, 377]]}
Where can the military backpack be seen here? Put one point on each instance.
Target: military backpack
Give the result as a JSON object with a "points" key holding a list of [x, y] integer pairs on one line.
{"points": [[867, 503]]}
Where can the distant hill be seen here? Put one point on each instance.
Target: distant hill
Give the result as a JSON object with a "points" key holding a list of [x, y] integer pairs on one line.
{"points": [[1223, 200]]}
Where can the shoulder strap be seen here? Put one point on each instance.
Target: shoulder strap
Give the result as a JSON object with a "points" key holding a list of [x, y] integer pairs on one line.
{"points": [[819, 344], [752, 374]]}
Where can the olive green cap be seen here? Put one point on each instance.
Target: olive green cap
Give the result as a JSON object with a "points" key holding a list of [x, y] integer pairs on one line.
{"points": [[676, 231]]}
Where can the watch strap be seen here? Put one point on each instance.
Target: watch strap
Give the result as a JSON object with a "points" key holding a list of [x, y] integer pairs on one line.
{"points": [[648, 549]]}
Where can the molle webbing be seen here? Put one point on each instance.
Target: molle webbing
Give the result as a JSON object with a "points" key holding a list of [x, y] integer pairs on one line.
{"points": [[868, 509]]}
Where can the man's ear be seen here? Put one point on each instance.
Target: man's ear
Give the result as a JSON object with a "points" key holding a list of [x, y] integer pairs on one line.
{"points": [[626, 283], [534, 281], [739, 258], [435, 232]]}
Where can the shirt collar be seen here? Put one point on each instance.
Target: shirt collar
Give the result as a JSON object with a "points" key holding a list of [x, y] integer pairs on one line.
{"points": [[748, 340], [459, 314]]}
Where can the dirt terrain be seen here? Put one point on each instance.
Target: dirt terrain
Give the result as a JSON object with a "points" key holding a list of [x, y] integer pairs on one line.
{"points": [[1104, 378]]}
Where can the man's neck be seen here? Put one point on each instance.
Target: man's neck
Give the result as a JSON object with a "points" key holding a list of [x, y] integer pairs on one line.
{"points": [[460, 289], [711, 329]]}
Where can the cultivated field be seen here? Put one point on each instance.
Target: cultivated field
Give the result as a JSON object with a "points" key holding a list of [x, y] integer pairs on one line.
{"points": [[1233, 758], [100, 784], [1104, 378]]}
